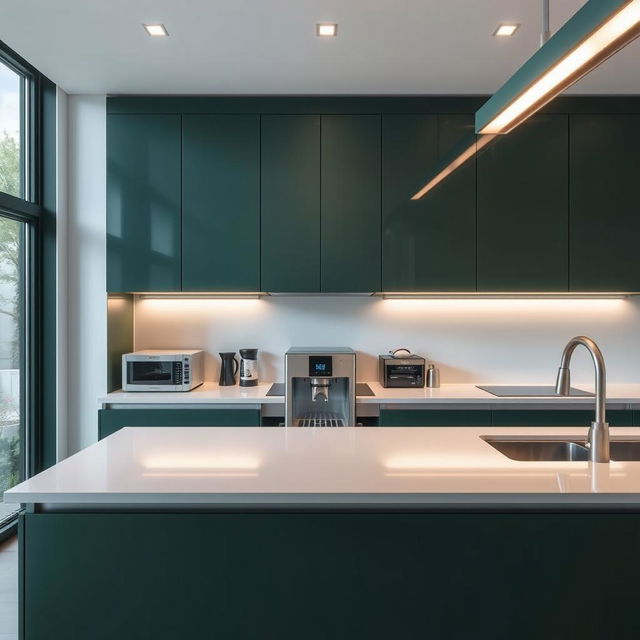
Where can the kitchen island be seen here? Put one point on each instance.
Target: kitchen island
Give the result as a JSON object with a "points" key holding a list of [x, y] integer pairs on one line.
{"points": [[328, 533]]}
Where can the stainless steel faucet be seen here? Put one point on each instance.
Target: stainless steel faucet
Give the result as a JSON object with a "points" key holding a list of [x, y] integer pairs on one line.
{"points": [[598, 439]]}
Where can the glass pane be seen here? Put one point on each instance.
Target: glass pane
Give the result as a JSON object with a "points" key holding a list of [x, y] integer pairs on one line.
{"points": [[11, 132], [12, 371]]}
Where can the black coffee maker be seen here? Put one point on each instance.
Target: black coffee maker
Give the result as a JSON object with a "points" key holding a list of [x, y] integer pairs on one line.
{"points": [[228, 368]]}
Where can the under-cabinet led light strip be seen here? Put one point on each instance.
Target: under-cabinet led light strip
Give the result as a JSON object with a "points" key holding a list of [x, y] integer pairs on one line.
{"points": [[569, 295], [184, 295]]}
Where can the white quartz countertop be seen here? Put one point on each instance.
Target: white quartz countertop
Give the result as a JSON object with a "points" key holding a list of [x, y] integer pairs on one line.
{"points": [[211, 393], [295, 467]]}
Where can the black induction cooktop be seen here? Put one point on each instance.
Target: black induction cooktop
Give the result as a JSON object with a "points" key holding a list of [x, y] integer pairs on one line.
{"points": [[362, 389]]}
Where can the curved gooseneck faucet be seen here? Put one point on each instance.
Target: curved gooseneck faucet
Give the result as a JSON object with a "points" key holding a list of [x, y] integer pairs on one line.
{"points": [[598, 439]]}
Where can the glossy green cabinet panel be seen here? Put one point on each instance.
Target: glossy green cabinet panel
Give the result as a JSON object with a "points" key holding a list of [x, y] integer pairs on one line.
{"points": [[290, 203], [330, 576], [350, 186], [499, 418], [110, 420], [429, 244], [557, 418], [523, 208], [605, 224], [435, 418], [143, 203], [221, 203]]}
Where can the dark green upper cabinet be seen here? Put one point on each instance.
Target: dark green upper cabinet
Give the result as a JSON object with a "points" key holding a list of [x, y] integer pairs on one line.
{"points": [[522, 202], [221, 203], [605, 224], [143, 203], [290, 203], [428, 244], [350, 186]]}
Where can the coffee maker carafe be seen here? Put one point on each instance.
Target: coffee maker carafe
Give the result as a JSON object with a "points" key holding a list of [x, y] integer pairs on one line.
{"points": [[320, 387], [228, 368]]}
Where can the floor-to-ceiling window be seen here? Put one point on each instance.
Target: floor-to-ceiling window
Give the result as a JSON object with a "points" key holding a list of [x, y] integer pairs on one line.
{"points": [[21, 241], [12, 352]]}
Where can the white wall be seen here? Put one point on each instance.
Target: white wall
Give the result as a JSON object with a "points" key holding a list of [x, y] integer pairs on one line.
{"points": [[86, 263], [470, 340]]}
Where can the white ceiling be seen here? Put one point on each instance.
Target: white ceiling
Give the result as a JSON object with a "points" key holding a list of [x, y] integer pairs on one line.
{"points": [[269, 46]]}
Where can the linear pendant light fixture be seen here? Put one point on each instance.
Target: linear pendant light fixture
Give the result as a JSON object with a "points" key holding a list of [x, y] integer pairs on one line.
{"points": [[597, 31]]}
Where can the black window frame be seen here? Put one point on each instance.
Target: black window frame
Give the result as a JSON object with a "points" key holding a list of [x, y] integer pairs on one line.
{"points": [[37, 209]]}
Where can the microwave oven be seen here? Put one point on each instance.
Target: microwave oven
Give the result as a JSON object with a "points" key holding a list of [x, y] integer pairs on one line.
{"points": [[162, 370]]}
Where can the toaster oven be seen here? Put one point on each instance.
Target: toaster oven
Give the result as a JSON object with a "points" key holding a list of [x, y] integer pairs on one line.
{"points": [[405, 372], [162, 370]]}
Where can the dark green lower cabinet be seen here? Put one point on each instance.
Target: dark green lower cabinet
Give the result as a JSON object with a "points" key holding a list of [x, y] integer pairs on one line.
{"points": [[434, 418], [558, 418], [110, 420], [337, 576], [502, 418]]}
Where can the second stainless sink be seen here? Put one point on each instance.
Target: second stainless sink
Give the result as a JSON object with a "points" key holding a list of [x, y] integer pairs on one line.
{"points": [[538, 450], [625, 450]]}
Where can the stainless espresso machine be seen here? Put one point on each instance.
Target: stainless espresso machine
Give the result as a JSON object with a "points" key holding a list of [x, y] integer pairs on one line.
{"points": [[320, 387]]}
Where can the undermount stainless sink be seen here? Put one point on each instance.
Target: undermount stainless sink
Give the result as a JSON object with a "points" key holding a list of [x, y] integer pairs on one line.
{"points": [[538, 450], [560, 449], [625, 450]]}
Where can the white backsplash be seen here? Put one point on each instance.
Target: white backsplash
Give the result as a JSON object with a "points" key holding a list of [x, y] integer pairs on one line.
{"points": [[509, 341]]}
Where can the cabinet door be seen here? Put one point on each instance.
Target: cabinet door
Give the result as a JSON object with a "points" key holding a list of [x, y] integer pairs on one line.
{"points": [[110, 420], [557, 418], [523, 208], [351, 203], [221, 203], [429, 244], [435, 418], [290, 202], [605, 225], [143, 203]]}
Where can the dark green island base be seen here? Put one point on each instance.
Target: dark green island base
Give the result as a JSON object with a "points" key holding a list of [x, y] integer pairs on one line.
{"points": [[337, 575]]}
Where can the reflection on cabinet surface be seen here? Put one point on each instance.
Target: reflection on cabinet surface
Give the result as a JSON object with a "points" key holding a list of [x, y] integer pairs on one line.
{"points": [[221, 203], [523, 208], [605, 225], [143, 203], [429, 244]]}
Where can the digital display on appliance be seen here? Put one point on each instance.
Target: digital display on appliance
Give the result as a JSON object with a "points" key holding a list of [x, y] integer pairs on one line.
{"points": [[320, 366]]}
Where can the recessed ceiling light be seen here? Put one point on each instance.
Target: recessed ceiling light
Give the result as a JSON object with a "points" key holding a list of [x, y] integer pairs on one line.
{"points": [[327, 29], [506, 29], [156, 29]]}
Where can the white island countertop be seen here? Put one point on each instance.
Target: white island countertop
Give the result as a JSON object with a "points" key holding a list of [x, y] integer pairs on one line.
{"points": [[212, 393], [252, 467]]}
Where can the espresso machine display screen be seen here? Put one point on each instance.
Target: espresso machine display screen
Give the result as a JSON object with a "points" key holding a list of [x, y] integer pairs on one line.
{"points": [[320, 366]]}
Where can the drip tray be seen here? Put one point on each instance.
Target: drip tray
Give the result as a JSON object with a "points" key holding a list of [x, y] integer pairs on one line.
{"points": [[539, 391], [320, 420]]}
